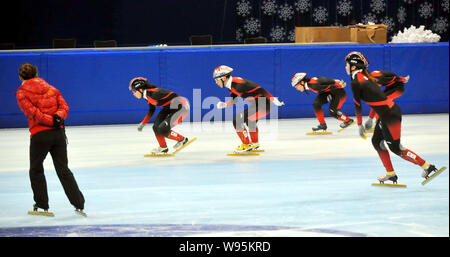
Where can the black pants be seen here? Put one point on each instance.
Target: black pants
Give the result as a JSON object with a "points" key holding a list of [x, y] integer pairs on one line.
{"points": [[258, 109], [53, 141], [336, 98]]}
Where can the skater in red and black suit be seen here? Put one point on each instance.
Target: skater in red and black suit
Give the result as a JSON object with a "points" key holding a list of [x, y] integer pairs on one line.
{"points": [[394, 88], [388, 126], [329, 90], [46, 109], [259, 98], [174, 109]]}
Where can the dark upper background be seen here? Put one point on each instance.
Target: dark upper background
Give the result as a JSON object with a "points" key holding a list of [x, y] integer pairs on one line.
{"points": [[33, 24]]}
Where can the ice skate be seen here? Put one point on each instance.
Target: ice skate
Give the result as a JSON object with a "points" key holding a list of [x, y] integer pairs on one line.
{"points": [[256, 148], [345, 125], [426, 173], [36, 211], [181, 143], [244, 149], [160, 150], [390, 176], [80, 212], [320, 130]]}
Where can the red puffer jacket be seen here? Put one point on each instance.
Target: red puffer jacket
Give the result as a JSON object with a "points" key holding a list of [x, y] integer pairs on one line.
{"points": [[40, 101]]}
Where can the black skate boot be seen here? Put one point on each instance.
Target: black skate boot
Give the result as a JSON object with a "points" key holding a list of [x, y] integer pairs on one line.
{"points": [[426, 173], [80, 212], [392, 177], [346, 124], [322, 126]]}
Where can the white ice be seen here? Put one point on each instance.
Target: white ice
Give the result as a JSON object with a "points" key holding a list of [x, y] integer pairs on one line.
{"points": [[301, 185]]}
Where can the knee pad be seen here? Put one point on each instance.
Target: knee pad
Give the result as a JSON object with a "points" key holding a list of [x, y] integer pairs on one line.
{"points": [[238, 121], [162, 129]]}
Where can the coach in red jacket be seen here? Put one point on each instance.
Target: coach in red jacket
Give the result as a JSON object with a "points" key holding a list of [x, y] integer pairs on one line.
{"points": [[46, 109]]}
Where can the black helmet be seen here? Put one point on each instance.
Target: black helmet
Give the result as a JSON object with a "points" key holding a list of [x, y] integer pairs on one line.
{"points": [[357, 59], [140, 83]]}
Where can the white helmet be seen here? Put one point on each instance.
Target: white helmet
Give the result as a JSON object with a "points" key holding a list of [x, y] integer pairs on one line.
{"points": [[222, 71], [297, 78]]}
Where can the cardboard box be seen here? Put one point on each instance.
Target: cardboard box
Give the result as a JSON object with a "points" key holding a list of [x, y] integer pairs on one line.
{"points": [[322, 34], [368, 34]]}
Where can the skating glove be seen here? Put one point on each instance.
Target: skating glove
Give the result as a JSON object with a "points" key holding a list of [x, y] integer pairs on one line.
{"points": [[277, 102], [362, 131], [221, 105], [406, 79], [57, 121], [140, 126], [343, 83]]}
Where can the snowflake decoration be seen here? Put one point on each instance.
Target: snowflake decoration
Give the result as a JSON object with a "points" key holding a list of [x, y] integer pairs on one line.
{"points": [[389, 22], [320, 14], [444, 5], [269, 7], [285, 12], [277, 34], [378, 5], [303, 6], [291, 36], [426, 10], [370, 17], [243, 8], [409, 1], [401, 14], [252, 26], [239, 35], [344, 7], [440, 25]]}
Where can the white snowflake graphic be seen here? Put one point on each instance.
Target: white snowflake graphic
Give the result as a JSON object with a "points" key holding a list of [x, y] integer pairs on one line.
{"points": [[277, 34], [426, 10], [243, 8], [344, 7], [303, 6], [389, 22], [239, 35], [409, 1], [444, 5], [377, 5], [370, 17], [440, 25], [401, 14], [269, 7], [252, 26], [291, 36], [320, 14], [285, 12]]}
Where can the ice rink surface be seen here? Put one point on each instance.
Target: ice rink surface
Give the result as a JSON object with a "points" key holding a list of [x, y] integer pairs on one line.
{"points": [[301, 185]]}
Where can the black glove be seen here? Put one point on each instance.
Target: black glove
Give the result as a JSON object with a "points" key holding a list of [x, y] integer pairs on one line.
{"points": [[57, 121]]}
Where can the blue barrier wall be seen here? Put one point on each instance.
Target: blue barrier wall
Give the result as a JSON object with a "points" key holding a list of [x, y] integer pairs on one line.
{"points": [[95, 82]]}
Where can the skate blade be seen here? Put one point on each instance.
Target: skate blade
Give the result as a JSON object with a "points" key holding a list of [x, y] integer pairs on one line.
{"points": [[242, 154], [434, 175], [179, 149], [319, 133], [81, 213], [388, 185], [346, 127], [42, 213], [158, 155], [257, 151], [370, 131]]}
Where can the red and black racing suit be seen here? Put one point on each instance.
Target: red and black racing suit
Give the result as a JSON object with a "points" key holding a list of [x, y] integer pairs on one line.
{"points": [[259, 108], [388, 126], [329, 90], [175, 109], [394, 84]]}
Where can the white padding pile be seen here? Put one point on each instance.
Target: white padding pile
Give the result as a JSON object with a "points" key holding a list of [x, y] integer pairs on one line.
{"points": [[415, 35]]}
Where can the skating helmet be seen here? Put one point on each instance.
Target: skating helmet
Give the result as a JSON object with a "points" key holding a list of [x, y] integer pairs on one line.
{"points": [[357, 59], [297, 78], [139, 83], [222, 71]]}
